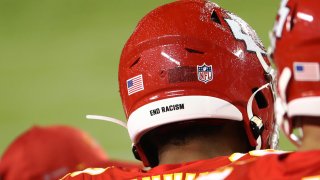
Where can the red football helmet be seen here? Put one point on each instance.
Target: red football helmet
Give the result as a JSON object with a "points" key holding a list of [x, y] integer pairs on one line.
{"points": [[49, 153], [295, 49], [192, 60]]}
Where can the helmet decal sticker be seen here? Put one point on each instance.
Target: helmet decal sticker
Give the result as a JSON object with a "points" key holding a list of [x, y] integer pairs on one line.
{"points": [[283, 14], [182, 74], [167, 108], [279, 24], [205, 73], [135, 84], [306, 71], [242, 31]]}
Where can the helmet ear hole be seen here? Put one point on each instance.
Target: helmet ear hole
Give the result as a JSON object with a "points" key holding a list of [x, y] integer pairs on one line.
{"points": [[214, 17], [135, 62], [193, 51], [292, 19], [260, 99]]}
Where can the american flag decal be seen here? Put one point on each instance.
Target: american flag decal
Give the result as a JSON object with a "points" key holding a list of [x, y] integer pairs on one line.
{"points": [[306, 71], [135, 84]]}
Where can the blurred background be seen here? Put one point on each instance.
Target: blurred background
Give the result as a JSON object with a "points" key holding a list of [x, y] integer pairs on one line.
{"points": [[59, 61]]}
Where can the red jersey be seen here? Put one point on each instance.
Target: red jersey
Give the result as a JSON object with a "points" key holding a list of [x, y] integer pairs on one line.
{"points": [[286, 166], [184, 171]]}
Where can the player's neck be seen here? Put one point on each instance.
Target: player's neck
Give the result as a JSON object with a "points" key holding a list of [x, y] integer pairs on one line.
{"points": [[192, 151], [203, 141], [311, 134]]}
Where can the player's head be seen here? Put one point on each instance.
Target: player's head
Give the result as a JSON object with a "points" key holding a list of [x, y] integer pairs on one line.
{"points": [[48, 153], [191, 61], [295, 49]]}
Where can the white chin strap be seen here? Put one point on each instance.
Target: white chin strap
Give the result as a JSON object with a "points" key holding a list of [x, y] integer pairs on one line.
{"points": [[249, 105], [263, 63], [271, 73], [254, 119], [281, 103], [108, 119], [282, 107]]}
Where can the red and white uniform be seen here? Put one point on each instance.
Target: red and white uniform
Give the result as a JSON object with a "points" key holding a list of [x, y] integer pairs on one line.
{"points": [[286, 166], [184, 171]]}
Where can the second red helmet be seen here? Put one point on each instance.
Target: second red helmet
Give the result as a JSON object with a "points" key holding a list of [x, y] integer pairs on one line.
{"points": [[295, 49]]}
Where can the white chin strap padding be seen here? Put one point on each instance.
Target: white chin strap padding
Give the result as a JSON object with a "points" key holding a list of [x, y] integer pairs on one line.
{"points": [[283, 83], [281, 106], [281, 102]]}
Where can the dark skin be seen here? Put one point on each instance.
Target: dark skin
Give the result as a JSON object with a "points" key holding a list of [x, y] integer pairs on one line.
{"points": [[311, 133], [194, 141]]}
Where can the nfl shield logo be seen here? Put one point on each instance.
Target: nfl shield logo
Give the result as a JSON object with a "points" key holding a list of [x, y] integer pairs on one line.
{"points": [[205, 73]]}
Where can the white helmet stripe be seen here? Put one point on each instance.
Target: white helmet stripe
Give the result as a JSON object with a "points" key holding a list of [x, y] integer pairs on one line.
{"points": [[177, 109]]}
